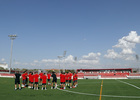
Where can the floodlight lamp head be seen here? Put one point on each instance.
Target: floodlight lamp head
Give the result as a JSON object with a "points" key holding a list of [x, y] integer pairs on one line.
{"points": [[59, 57], [12, 36], [137, 57], [75, 58]]}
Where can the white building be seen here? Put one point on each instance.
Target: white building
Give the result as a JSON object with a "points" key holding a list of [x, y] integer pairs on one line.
{"points": [[4, 65]]}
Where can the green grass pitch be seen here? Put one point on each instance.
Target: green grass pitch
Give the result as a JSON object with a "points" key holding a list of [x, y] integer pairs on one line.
{"points": [[86, 90]]}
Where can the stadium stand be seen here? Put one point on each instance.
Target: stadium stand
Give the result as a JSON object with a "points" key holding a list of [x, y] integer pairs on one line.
{"points": [[6, 75], [95, 74], [105, 73], [134, 76]]}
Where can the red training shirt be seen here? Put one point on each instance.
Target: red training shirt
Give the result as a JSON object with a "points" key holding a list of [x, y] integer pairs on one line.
{"points": [[32, 78], [36, 77], [23, 76], [70, 75], [61, 75], [29, 77], [49, 76], [44, 78], [26, 75], [74, 77], [67, 77], [63, 78], [41, 74]]}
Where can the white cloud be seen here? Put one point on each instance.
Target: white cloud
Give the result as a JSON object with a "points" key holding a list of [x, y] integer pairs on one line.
{"points": [[44, 60], [86, 61], [35, 61], [127, 51], [133, 37], [123, 50], [91, 58], [17, 63], [49, 60], [2, 59], [112, 54], [126, 44], [130, 57], [69, 59]]}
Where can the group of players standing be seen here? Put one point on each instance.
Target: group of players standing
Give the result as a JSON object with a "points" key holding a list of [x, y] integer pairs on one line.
{"points": [[33, 80], [65, 80]]}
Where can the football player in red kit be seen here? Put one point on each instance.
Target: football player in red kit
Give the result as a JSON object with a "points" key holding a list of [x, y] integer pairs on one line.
{"points": [[70, 76], [36, 76], [40, 75], [31, 80], [67, 78], [61, 75], [49, 77], [26, 79], [44, 81], [63, 80], [29, 86], [23, 79], [74, 79]]}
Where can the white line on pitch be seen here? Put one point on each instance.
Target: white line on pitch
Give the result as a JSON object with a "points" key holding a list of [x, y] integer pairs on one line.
{"points": [[129, 84], [99, 95]]}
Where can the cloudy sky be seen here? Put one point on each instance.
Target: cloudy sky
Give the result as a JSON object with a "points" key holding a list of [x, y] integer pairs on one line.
{"points": [[95, 33]]}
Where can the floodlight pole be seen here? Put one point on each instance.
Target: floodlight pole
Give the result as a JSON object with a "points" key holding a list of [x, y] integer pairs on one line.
{"points": [[59, 57], [64, 54], [75, 59], [137, 59], [12, 37]]}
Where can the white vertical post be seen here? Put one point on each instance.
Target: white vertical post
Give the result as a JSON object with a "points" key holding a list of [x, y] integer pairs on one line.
{"points": [[12, 37], [11, 56], [64, 54]]}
